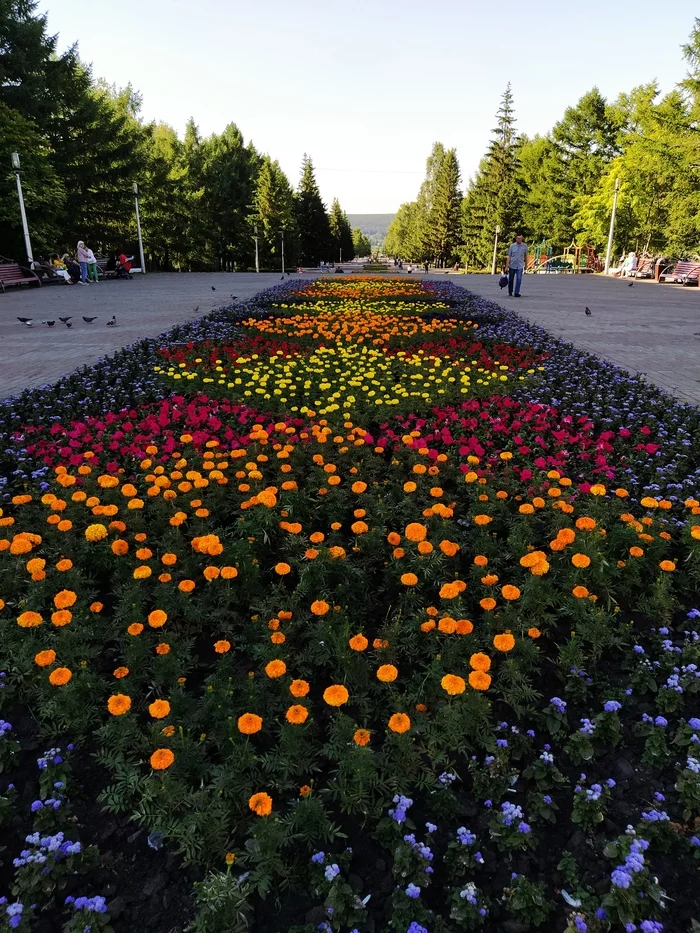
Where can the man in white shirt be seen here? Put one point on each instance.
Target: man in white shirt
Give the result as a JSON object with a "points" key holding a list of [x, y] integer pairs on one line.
{"points": [[515, 264]]}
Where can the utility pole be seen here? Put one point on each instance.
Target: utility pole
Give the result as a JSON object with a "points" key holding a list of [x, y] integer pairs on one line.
{"points": [[25, 228], [495, 250], [257, 257], [282, 252], [135, 189], [612, 227]]}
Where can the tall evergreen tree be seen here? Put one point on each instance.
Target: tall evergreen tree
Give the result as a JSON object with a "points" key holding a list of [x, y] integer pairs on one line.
{"points": [[273, 212], [362, 246], [341, 234], [314, 230], [442, 234], [495, 195]]}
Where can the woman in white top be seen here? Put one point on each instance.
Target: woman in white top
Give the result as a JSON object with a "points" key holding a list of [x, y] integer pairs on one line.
{"points": [[93, 272], [83, 261]]}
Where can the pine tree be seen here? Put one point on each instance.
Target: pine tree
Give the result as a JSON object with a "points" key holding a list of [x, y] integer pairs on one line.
{"points": [[341, 234], [273, 212], [362, 246], [442, 233], [495, 195], [314, 229]]}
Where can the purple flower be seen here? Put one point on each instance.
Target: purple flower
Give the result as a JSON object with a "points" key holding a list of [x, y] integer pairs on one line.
{"points": [[413, 891], [620, 878], [612, 706]]}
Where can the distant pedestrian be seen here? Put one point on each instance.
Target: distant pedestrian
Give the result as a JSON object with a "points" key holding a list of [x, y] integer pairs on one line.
{"points": [[93, 271], [82, 261], [515, 264]]}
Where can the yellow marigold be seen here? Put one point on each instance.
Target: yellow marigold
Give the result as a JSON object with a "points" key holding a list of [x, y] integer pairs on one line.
{"points": [[399, 723], [480, 661], [159, 709], [249, 723], [222, 646], [161, 759], [580, 592], [479, 680], [319, 607], [44, 658], [299, 688], [453, 684], [667, 565], [416, 532], [504, 642], [64, 599], [358, 643], [297, 714], [261, 804], [580, 560], [142, 573], [487, 603], [29, 619], [118, 704], [361, 737], [95, 532], [135, 628], [409, 579], [598, 490], [157, 618], [510, 592], [60, 676], [275, 669], [387, 673], [336, 695]]}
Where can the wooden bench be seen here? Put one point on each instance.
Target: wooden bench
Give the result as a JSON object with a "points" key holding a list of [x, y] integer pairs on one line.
{"points": [[101, 270], [645, 269], [684, 273], [11, 273]]}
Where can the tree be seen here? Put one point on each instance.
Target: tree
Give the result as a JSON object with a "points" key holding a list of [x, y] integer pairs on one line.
{"points": [[442, 233], [362, 246], [496, 193], [341, 234], [403, 238], [312, 220], [273, 212]]}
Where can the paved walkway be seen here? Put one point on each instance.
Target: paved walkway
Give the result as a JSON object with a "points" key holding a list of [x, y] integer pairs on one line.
{"points": [[649, 328], [145, 306], [654, 329]]}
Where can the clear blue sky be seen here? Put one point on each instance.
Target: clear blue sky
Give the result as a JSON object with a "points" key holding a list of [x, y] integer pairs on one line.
{"points": [[367, 87]]}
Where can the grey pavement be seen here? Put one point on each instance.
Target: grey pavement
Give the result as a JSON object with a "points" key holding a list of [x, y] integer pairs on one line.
{"points": [[649, 328], [144, 307]]}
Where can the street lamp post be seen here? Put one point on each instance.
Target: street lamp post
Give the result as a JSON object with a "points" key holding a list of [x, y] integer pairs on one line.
{"points": [[495, 250], [135, 189], [257, 256], [612, 227], [282, 234], [25, 228]]}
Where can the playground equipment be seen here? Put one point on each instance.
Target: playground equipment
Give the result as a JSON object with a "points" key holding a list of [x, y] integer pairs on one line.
{"points": [[575, 259]]}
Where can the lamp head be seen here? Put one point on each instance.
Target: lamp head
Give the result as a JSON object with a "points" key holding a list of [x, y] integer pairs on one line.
{"points": [[15, 161]]}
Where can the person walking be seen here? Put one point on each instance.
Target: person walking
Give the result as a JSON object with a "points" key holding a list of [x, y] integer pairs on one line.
{"points": [[82, 261], [93, 272], [515, 264]]}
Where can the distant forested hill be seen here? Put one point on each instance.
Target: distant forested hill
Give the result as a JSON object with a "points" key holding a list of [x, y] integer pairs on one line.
{"points": [[374, 226]]}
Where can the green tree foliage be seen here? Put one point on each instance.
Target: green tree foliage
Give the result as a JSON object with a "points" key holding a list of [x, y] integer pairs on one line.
{"points": [[496, 194], [403, 238], [314, 229], [362, 246], [274, 214], [341, 234]]}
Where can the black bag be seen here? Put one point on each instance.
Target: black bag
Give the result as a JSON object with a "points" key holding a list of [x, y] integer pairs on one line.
{"points": [[503, 281]]}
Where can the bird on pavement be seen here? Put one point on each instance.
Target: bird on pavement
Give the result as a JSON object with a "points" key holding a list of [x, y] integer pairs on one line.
{"points": [[89, 320], [282, 277], [64, 320], [213, 288], [69, 323], [196, 309], [588, 312], [234, 297], [112, 322], [50, 323], [630, 285], [27, 321]]}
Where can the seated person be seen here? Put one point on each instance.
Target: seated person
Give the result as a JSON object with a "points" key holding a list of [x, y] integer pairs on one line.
{"points": [[72, 267], [124, 266]]}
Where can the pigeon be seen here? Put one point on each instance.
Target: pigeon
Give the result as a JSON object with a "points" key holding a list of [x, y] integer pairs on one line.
{"points": [[282, 277], [213, 288], [50, 323], [27, 321], [630, 285], [234, 297], [64, 320], [196, 309], [69, 324], [588, 312], [112, 322], [89, 320]]}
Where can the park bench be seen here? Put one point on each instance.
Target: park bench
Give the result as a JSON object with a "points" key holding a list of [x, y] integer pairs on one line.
{"points": [[684, 273], [645, 269], [11, 273], [102, 270]]}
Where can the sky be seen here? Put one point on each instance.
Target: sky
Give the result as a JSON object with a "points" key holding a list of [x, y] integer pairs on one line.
{"points": [[366, 88]]}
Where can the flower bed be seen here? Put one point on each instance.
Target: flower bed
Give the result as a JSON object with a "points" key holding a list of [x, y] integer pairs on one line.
{"points": [[384, 618]]}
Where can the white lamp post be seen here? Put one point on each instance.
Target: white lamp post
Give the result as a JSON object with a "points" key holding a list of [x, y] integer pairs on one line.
{"points": [[612, 227], [257, 255], [25, 228], [282, 232], [495, 250], [135, 189]]}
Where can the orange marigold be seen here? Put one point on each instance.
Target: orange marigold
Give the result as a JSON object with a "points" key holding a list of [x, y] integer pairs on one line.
{"points": [[249, 723], [534, 632], [400, 723], [44, 658], [29, 619], [449, 548], [60, 676], [157, 618], [222, 646], [159, 709], [120, 672], [297, 714], [387, 673], [393, 538], [488, 603], [510, 592], [261, 804], [186, 586], [416, 532], [336, 695], [275, 668], [161, 759], [64, 599], [282, 569], [581, 561], [482, 519], [504, 642], [479, 680], [319, 607], [118, 704], [453, 684], [580, 592], [667, 566], [299, 688], [480, 661], [361, 737], [409, 579], [358, 643], [163, 648]]}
